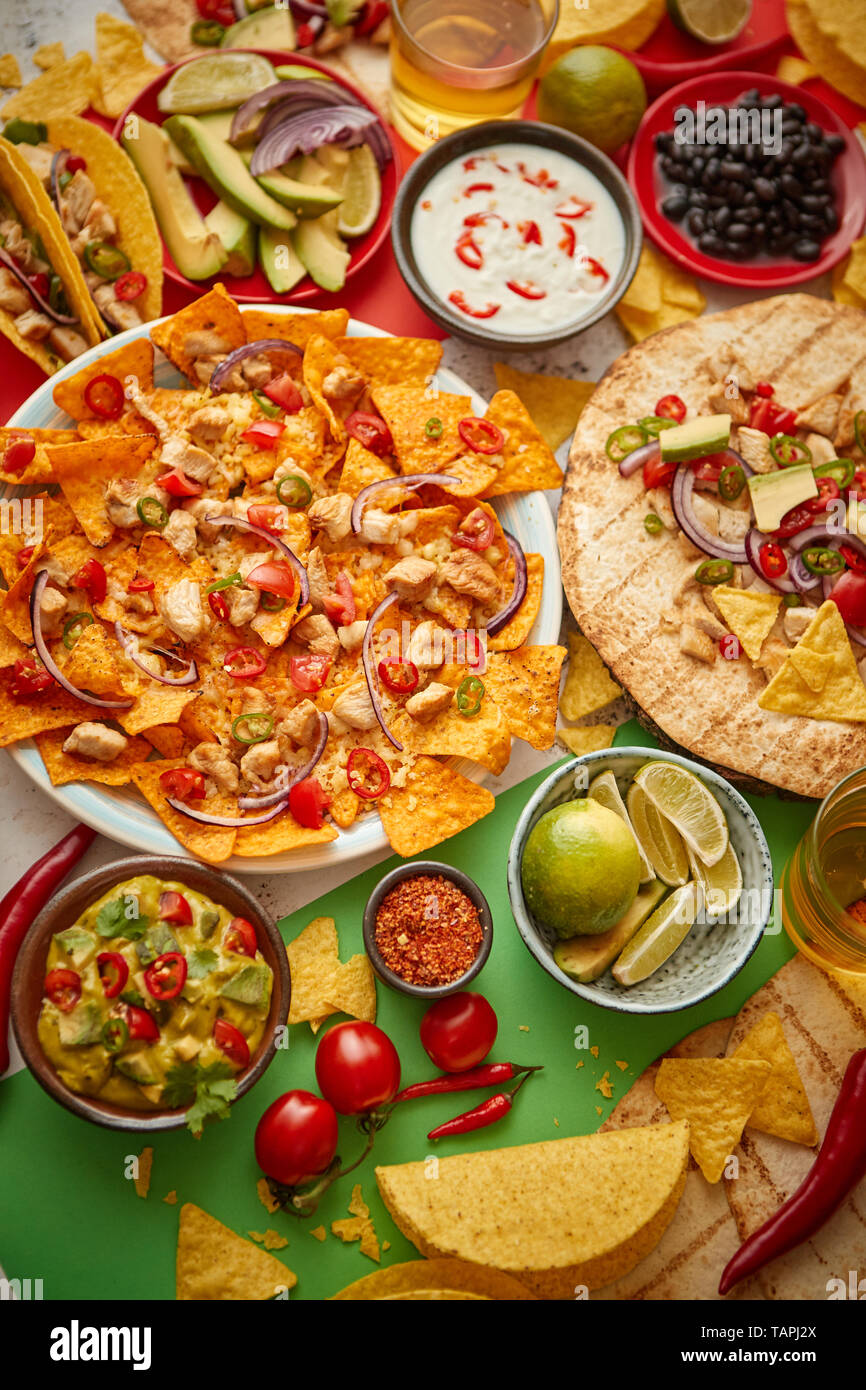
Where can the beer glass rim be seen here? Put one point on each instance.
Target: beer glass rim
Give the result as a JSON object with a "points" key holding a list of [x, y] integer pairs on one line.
{"points": [[824, 807], [447, 67]]}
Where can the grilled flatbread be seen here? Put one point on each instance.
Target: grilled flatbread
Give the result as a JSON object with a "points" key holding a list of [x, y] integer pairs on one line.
{"points": [[620, 581]]}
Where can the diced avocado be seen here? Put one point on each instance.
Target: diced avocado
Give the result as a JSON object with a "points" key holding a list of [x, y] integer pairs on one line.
{"points": [[705, 435], [155, 942], [251, 985], [322, 252], [343, 12], [208, 922], [136, 1068], [586, 958], [196, 252], [279, 260], [304, 199], [289, 70], [774, 494], [223, 169], [268, 28], [81, 1027], [76, 943], [237, 234]]}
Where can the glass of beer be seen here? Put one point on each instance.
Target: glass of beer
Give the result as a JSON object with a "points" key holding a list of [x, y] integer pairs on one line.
{"points": [[457, 62]]}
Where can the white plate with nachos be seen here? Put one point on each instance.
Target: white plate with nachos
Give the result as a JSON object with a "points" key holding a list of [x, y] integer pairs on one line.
{"points": [[121, 812]]}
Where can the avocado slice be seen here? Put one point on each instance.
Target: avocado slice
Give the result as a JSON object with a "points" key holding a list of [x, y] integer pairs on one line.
{"points": [[219, 123], [237, 234], [76, 943], [586, 958], [223, 169], [196, 252], [289, 70], [304, 199], [774, 494], [279, 260], [705, 435], [251, 985], [208, 923], [134, 1068], [81, 1027], [322, 252], [341, 12], [271, 27]]}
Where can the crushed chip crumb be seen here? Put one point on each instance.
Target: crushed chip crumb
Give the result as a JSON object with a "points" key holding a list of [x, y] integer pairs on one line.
{"points": [[145, 1164], [524, 1027], [598, 1110], [594, 1051], [623, 1066], [579, 1065], [604, 1086], [170, 1198], [319, 1233], [266, 1196]]}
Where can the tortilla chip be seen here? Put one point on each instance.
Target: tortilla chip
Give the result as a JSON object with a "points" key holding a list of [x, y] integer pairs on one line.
{"points": [[515, 632], [659, 296], [624, 23], [360, 468], [580, 740], [48, 55], [216, 311], [145, 1166], [65, 90], [588, 686], [834, 61], [528, 464], [131, 364], [277, 836], [795, 70], [96, 663], [474, 474], [748, 614], [266, 1196], [422, 1279], [554, 402], [54, 709], [166, 739], [525, 683], [38, 469], [393, 361], [318, 1233], [359, 1227], [15, 603], [11, 649], [156, 704], [10, 71], [70, 767], [123, 70], [296, 328], [353, 989], [407, 410], [812, 667], [314, 959], [320, 359], [716, 1096], [783, 1107], [85, 468], [210, 842], [485, 737], [842, 695], [214, 1263], [435, 803]]}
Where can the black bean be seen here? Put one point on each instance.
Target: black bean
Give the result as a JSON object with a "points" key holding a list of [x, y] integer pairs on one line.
{"points": [[814, 132], [831, 219], [722, 218], [711, 245], [675, 208], [794, 112], [802, 155], [765, 189], [791, 186], [739, 231], [835, 144], [805, 249], [813, 202], [696, 221], [810, 223], [734, 169]]}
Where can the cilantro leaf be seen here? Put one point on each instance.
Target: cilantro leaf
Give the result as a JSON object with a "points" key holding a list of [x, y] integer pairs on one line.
{"points": [[132, 996], [201, 963], [205, 1091], [121, 917]]}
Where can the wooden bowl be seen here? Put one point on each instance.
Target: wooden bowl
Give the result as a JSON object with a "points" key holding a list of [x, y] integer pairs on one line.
{"points": [[66, 907]]}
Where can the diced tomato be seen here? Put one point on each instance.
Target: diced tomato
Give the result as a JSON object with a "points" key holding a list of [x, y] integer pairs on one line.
{"points": [[28, 679], [849, 596], [271, 516], [41, 283], [657, 472], [142, 1025], [174, 907], [183, 783], [166, 977], [24, 556], [240, 937], [671, 408], [772, 419], [63, 988], [177, 484], [797, 519], [232, 1042], [307, 801], [285, 393], [857, 488], [853, 559], [710, 468], [20, 452], [476, 531], [765, 389], [220, 10], [91, 577], [340, 606], [305, 35], [309, 673], [371, 431], [263, 434], [113, 972], [274, 578]]}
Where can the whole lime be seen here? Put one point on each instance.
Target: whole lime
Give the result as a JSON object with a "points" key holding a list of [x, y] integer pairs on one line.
{"points": [[594, 92], [580, 869]]}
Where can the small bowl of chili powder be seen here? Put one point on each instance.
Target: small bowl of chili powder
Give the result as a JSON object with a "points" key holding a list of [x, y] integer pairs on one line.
{"points": [[428, 929]]}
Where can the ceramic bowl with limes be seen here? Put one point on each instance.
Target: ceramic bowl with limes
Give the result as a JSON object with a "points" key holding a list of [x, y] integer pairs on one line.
{"points": [[717, 922]]}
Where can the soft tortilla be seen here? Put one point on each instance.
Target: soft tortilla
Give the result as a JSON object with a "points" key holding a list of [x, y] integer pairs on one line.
{"points": [[619, 581]]}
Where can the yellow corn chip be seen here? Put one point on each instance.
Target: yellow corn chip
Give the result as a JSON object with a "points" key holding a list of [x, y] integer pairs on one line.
{"points": [[266, 1196], [65, 90], [271, 1240], [625, 23], [122, 68], [170, 1198], [408, 411], [156, 704], [38, 469], [659, 296], [554, 402], [393, 361], [716, 1096], [216, 313], [580, 740], [145, 1166], [812, 667], [349, 1229], [71, 767], [515, 632], [353, 990], [357, 1205], [748, 614], [10, 72], [96, 663], [783, 1107], [11, 649], [318, 1233], [795, 70], [474, 474], [314, 960], [842, 696], [484, 737], [295, 328], [588, 686], [527, 461], [210, 842], [434, 803], [834, 60], [48, 55], [214, 1263], [855, 266], [84, 470], [22, 718], [360, 468], [277, 836], [525, 683]]}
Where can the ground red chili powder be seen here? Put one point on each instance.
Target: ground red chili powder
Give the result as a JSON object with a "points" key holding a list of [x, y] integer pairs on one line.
{"points": [[428, 931]]}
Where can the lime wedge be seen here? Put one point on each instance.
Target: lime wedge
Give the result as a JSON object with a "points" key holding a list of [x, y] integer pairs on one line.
{"points": [[604, 790], [362, 193], [683, 798], [711, 21], [659, 937], [722, 884], [215, 82], [661, 843]]}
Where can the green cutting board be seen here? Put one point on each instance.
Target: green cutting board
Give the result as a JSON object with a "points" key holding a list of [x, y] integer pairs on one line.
{"points": [[69, 1216]]}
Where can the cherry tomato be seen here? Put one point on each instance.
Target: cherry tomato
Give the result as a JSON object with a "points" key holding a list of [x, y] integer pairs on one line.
{"points": [[20, 452], [828, 491], [91, 577], [772, 560], [296, 1138], [240, 937], [24, 556], [710, 467], [476, 531], [232, 1042], [858, 484], [142, 1025], [271, 516], [307, 801], [113, 972], [765, 389], [370, 431], [166, 977], [275, 578], [357, 1068], [671, 408], [174, 907], [28, 679], [853, 559], [131, 285], [183, 783], [309, 673], [63, 988], [305, 35], [340, 606], [263, 434], [772, 419], [657, 472], [220, 10], [797, 519], [177, 484], [458, 1032], [285, 393], [849, 596]]}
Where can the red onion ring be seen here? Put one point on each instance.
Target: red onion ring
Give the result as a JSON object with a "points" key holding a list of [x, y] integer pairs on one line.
{"points": [[343, 125], [20, 276], [48, 661], [504, 616], [819, 535], [301, 89], [682, 488], [126, 639], [58, 164], [637, 458], [754, 540], [257, 803], [261, 345], [307, 9], [411, 481], [366, 658], [229, 822], [273, 540]]}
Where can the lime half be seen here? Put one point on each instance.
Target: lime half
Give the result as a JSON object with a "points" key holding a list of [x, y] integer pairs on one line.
{"points": [[215, 82], [362, 193], [688, 805], [722, 884], [659, 937], [604, 790], [661, 843], [711, 21]]}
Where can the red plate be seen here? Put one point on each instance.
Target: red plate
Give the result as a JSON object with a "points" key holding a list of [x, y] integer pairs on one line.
{"points": [[254, 289], [670, 55], [849, 179]]}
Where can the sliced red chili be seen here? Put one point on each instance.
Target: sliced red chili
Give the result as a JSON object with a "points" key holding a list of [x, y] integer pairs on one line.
{"points": [[113, 972], [476, 531], [103, 395], [573, 208], [140, 585], [244, 663], [459, 300], [167, 976], [469, 252], [401, 677], [828, 491], [671, 408], [20, 452], [568, 240], [219, 607], [371, 431], [478, 219], [481, 436], [63, 988], [183, 783], [232, 1042], [368, 774], [91, 577], [772, 560], [477, 188], [531, 233], [595, 268], [131, 285], [240, 937], [309, 673], [527, 289], [174, 907]]}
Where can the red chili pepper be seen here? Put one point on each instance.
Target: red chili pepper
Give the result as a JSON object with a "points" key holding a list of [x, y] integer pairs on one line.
{"points": [[177, 484], [309, 673], [573, 208], [671, 408], [459, 300], [113, 972], [263, 434], [478, 219], [765, 389], [853, 559], [772, 560], [371, 431], [357, 772], [103, 395], [531, 233], [469, 252], [24, 556], [568, 241], [21, 904], [481, 436], [91, 577], [400, 676], [244, 663], [29, 679], [542, 179], [596, 268], [477, 188], [131, 285], [240, 937], [167, 976], [492, 1074], [476, 531], [487, 1113], [76, 163], [140, 585], [527, 289], [839, 1167], [20, 452], [63, 988], [219, 607], [183, 783]]}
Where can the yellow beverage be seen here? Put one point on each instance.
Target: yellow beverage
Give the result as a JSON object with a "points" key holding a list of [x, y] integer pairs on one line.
{"points": [[457, 62], [824, 883]]}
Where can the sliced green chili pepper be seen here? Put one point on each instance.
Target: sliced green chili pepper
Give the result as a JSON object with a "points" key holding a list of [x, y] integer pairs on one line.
{"points": [[732, 480], [65, 180], [434, 427], [272, 603], [224, 583], [73, 628], [715, 571], [819, 560], [115, 1034], [652, 523], [624, 441], [470, 693], [786, 450], [57, 295], [21, 132], [860, 429], [792, 601], [293, 491], [654, 424], [840, 470], [259, 726], [152, 512], [266, 406], [106, 260], [207, 33]]}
